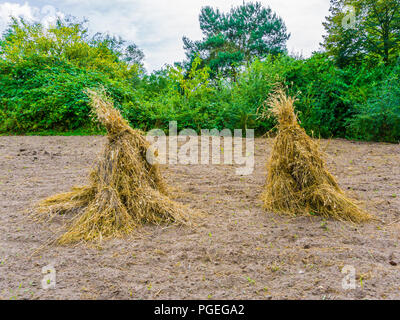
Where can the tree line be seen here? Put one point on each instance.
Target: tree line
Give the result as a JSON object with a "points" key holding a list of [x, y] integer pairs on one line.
{"points": [[350, 88]]}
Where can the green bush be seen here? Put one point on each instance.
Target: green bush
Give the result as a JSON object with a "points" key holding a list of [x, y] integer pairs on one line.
{"points": [[44, 73], [45, 93], [379, 118]]}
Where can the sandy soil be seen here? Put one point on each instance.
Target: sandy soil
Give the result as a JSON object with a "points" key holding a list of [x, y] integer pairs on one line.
{"points": [[241, 251]]}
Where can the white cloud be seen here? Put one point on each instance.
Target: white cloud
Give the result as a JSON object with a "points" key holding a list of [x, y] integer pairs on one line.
{"points": [[304, 22], [157, 26], [47, 14], [8, 10]]}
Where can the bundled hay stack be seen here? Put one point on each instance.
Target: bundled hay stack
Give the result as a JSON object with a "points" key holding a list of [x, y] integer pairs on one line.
{"points": [[124, 190], [298, 181]]}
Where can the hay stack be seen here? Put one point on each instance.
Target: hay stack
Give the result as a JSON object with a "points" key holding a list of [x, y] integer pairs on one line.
{"points": [[298, 181], [124, 190]]}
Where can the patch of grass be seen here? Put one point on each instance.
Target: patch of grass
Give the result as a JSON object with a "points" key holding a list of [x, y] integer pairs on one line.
{"points": [[77, 132], [274, 267], [361, 281], [324, 225]]}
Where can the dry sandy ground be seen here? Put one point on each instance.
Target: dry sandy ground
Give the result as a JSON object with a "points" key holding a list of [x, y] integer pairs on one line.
{"points": [[241, 252]]}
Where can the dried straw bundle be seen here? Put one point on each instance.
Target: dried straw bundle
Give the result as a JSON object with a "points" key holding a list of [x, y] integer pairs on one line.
{"points": [[124, 190], [298, 181]]}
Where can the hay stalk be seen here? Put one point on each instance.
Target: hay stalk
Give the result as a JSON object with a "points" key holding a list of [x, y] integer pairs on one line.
{"points": [[124, 190], [298, 181]]}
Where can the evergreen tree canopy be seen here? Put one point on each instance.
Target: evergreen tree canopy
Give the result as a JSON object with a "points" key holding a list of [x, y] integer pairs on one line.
{"points": [[246, 32]]}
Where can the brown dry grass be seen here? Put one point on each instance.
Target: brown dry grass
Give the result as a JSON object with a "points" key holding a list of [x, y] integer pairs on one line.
{"points": [[298, 181], [124, 190]]}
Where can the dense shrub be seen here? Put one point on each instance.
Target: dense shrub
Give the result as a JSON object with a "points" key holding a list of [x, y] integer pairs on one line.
{"points": [[328, 94], [44, 72], [379, 118], [45, 93]]}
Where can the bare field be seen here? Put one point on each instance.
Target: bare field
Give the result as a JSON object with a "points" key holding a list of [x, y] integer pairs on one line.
{"points": [[238, 252]]}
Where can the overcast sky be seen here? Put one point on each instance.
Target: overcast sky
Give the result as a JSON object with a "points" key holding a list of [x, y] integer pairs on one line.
{"points": [[157, 26]]}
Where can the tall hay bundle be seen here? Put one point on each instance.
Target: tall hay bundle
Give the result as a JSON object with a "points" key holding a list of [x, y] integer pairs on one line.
{"points": [[298, 181], [124, 190]]}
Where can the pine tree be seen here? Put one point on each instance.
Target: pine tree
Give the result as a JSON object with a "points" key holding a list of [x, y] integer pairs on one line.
{"points": [[233, 38]]}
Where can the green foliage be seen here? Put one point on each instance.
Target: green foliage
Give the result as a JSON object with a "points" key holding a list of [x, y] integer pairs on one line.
{"points": [[375, 35], [43, 73], [44, 93], [379, 118], [252, 89], [190, 99], [350, 93], [326, 94]]}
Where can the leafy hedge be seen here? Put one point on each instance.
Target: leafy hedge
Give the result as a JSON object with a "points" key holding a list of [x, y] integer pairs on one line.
{"points": [[42, 87], [332, 102]]}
